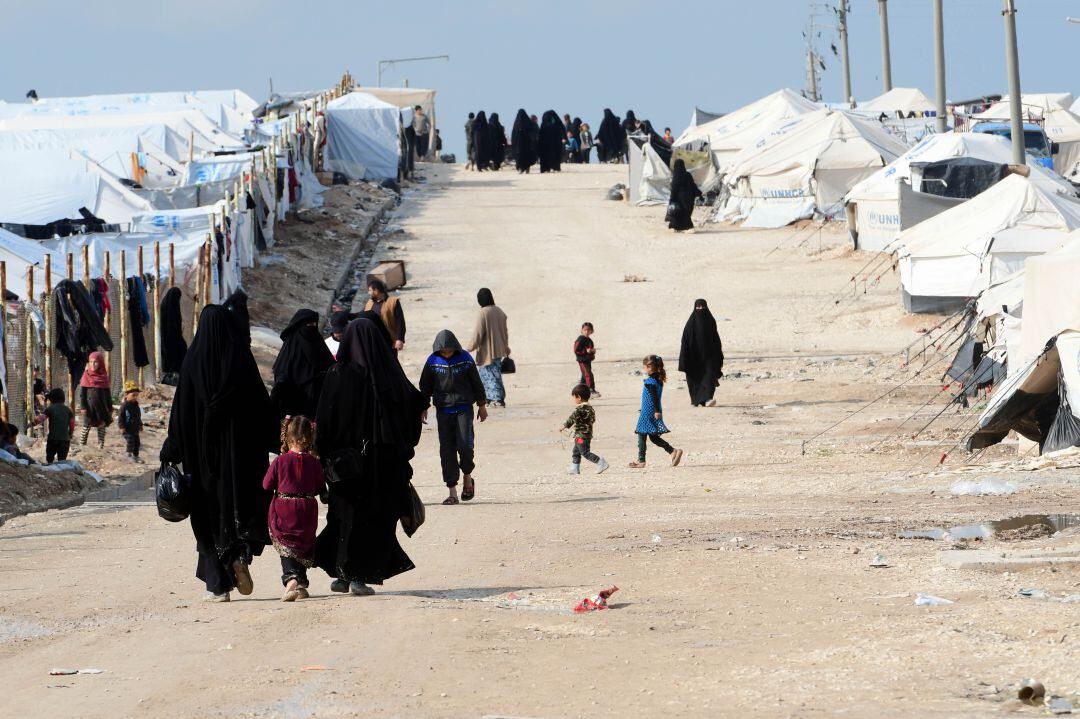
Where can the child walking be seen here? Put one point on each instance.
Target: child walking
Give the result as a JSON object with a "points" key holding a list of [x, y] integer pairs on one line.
{"points": [[582, 419], [296, 479], [129, 420], [61, 426], [650, 424], [585, 353], [95, 398], [450, 380]]}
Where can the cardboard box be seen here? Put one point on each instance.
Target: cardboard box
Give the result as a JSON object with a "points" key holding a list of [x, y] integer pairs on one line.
{"points": [[391, 272]]}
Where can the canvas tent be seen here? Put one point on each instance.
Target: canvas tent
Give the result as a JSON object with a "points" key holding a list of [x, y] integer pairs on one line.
{"points": [[902, 100], [362, 137], [406, 98], [804, 167], [728, 135], [650, 177], [700, 117], [957, 254], [873, 205]]}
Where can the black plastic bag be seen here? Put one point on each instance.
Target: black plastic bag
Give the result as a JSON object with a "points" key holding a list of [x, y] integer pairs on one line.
{"points": [[417, 514], [508, 366], [172, 491]]}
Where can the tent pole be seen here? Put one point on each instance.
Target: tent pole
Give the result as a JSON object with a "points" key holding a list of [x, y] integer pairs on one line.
{"points": [[48, 322], [157, 311], [123, 318]]}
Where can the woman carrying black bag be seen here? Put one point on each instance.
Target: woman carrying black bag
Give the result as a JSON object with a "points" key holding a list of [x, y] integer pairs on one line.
{"points": [[222, 428], [368, 425]]}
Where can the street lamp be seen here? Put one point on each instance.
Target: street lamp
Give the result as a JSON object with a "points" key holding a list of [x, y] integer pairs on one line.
{"points": [[389, 63]]}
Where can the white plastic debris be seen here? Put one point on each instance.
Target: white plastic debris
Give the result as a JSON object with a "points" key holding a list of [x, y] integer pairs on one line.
{"points": [[656, 539], [929, 600], [984, 486]]}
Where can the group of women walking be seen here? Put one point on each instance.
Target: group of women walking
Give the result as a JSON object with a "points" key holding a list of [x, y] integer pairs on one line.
{"points": [[224, 424]]}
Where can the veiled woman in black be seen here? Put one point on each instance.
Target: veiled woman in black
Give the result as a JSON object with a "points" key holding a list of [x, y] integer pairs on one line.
{"points": [[683, 193], [523, 142], [221, 429], [609, 138], [300, 366], [368, 405], [552, 133], [482, 146], [701, 356], [498, 141], [630, 125]]}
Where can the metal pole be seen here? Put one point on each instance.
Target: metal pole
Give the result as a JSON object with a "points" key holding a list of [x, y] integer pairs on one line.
{"points": [[841, 13], [1012, 62], [811, 75], [939, 64], [886, 58]]}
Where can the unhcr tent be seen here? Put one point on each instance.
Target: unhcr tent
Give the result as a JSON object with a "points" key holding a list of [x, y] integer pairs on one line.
{"points": [[726, 136], [957, 254], [362, 137], [804, 167], [873, 205]]}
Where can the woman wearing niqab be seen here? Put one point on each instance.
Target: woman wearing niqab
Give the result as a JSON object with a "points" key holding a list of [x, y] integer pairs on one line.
{"points": [[629, 126], [482, 146], [523, 142], [369, 405], [701, 356], [552, 134], [498, 141], [683, 193], [609, 138], [221, 429], [300, 366]]}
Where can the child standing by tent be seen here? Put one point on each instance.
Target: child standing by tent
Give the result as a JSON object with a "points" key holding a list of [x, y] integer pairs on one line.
{"points": [[650, 423], [582, 419], [95, 398]]}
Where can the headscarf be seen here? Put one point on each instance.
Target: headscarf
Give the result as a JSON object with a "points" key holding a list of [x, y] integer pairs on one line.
{"points": [[95, 378], [701, 349], [300, 365], [237, 303], [521, 138], [630, 123], [484, 297], [377, 319]]}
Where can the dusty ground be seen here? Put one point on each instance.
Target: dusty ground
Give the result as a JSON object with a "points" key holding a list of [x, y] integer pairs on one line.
{"points": [[744, 575]]}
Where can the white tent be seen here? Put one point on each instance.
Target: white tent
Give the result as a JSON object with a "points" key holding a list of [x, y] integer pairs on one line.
{"points": [[964, 250], [406, 98], [874, 203], [726, 136], [804, 167], [899, 99], [38, 196], [362, 137], [650, 177]]}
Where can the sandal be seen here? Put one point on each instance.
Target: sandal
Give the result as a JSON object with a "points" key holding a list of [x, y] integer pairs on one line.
{"points": [[468, 488], [450, 500], [636, 465]]}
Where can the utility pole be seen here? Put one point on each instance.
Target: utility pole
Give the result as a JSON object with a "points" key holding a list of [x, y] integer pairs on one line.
{"points": [[939, 65], [886, 59], [811, 58], [841, 14], [1012, 62]]}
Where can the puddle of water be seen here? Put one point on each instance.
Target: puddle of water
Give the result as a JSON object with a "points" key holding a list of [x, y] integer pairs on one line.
{"points": [[1051, 522]]}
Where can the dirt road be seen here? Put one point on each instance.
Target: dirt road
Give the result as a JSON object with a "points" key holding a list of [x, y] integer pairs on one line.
{"points": [[745, 579]]}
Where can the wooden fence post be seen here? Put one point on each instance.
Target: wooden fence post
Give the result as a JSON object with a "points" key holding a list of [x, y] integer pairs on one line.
{"points": [[123, 318]]}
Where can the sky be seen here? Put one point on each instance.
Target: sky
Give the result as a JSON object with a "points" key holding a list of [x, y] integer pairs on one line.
{"points": [[577, 57]]}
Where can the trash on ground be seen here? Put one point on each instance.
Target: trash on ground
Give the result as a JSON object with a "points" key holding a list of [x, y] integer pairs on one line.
{"points": [[929, 600], [62, 672], [879, 561], [1031, 690], [635, 278], [1060, 705], [985, 486], [314, 668], [656, 539], [1034, 593], [594, 603]]}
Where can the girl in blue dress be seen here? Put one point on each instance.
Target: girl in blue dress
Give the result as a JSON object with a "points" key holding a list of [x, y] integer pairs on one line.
{"points": [[650, 424]]}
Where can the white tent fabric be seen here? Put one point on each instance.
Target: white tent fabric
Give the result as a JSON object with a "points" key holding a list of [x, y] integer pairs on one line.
{"points": [[804, 166], [899, 99], [730, 134], [362, 137], [406, 98], [654, 185], [38, 196], [964, 250], [876, 199]]}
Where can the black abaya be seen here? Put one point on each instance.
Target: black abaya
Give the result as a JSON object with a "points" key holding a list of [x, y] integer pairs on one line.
{"points": [[609, 138], [173, 344], [300, 366], [498, 141], [482, 148], [221, 429], [683, 194], [701, 356], [367, 404], [522, 140], [552, 132]]}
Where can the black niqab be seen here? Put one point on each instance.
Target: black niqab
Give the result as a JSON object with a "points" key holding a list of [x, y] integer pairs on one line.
{"points": [[237, 303], [701, 355], [610, 137], [300, 366], [523, 141], [173, 344], [498, 141], [482, 145], [684, 191], [552, 133]]}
